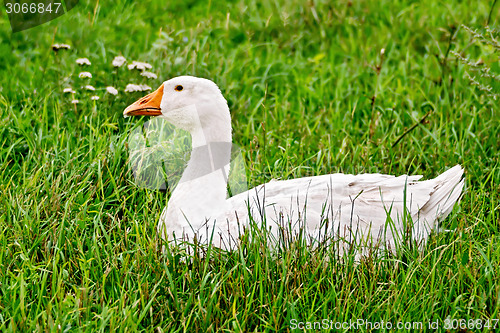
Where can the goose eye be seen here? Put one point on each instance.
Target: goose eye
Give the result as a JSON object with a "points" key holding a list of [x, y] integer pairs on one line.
{"points": [[179, 87]]}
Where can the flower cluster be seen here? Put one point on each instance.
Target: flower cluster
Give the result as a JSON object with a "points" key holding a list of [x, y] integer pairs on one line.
{"points": [[137, 87], [83, 75], [139, 65], [111, 90], [83, 61], [92, 92], [118, 61], [57, 47]]}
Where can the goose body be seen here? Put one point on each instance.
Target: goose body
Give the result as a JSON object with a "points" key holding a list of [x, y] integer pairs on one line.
{"points": [[376, 209]]}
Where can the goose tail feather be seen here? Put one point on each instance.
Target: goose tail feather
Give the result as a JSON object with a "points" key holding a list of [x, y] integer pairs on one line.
{"points": [[448, 189]]}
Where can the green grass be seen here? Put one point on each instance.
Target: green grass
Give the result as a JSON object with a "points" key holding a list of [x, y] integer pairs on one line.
{"points": [[310, 94]]}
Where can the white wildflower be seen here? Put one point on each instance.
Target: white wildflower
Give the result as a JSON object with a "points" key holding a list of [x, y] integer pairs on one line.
{"points": [[112, 90], [132, 87], [139, 65], [83, 61], [57, 47], [149, 75], [68, 90], [89, 87], [118, 61], [75, 101], [136, 87], [85, 75], [94, 98]]}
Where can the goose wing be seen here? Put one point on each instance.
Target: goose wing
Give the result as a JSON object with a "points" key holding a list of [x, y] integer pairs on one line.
{"points": [[350, 204]]}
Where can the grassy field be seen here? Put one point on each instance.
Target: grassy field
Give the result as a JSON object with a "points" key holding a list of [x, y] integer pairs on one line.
{"points": [[311, 92]]}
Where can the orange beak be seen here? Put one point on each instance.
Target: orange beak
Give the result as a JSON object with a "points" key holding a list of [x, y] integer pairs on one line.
{"points": [[147, 106]]}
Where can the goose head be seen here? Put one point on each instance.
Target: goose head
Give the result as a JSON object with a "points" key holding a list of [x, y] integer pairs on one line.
{"points": [[190, 103]]}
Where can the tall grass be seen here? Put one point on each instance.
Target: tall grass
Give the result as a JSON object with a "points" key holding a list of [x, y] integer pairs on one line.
{"points": [[310, 93]]}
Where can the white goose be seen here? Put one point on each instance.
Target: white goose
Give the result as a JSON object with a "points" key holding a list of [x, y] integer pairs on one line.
{"points": [[372, 208]]}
